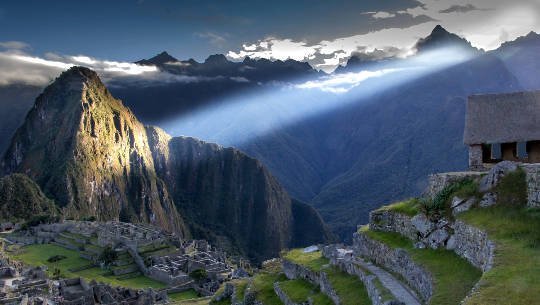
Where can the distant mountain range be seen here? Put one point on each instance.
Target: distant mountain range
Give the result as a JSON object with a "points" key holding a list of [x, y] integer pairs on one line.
{"points": [[348, 161]]}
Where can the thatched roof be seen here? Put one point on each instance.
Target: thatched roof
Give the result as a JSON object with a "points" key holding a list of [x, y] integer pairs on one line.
{"points": [[502, 118]]}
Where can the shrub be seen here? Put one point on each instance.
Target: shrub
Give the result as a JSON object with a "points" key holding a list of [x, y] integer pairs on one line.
{"points": [[198, 275], [39, 219], [440, 204], [513, 189]]}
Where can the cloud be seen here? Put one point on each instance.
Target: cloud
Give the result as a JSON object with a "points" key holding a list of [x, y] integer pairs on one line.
{"points": [[486, 24], [14, 45], [213, 38], [178, 63], [239, 79], [19, 67], [328, 54], [383, 15], [275, 49], [459, 9]]}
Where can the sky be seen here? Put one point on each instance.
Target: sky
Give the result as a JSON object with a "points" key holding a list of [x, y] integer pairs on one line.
{"points": [[111, 34]]}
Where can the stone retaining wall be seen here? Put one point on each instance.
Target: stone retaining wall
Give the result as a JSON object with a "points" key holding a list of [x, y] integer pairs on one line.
{"points": [[295, 271], [390, 221], [346, 264], [438, 181], [285, 298], [125, 270], [396, 260], [473, 245], [466, 241], [533, 183]]}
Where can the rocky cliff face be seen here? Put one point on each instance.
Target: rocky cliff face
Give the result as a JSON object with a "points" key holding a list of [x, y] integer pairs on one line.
{"points": [[89, 153], [224, 194], [93, 157]]}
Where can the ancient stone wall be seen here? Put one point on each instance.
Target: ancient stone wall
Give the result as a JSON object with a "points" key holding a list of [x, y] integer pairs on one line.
{"points": [[285, 298], [473, 245], [533, 183], [389, 221], [438, 181], [397, 260], [295, 271]]}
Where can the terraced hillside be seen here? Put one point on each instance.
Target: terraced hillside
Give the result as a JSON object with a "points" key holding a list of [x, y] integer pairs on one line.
{"points": [[474, 241]]}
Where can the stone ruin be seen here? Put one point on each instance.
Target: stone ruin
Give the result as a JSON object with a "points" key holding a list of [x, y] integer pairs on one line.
{"points": [[176, 269], [502, 127], [149, 251], [77, 291]]}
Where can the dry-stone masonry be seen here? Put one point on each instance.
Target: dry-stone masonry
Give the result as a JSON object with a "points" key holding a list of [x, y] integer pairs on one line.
{"points": [[396, 260]]}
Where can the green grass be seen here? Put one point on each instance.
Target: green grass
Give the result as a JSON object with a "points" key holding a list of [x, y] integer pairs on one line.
{"points": [[75, 235], [263, 286], [198, 301], [407, 207], [312, 260], [70, 241], [515, 276], [38, 254], [349, 288], [94, 247], [299, 290], [241, 286], [184, 295], [453, 276]]}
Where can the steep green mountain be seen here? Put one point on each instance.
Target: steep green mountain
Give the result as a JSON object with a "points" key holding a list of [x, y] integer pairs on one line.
{"points": [[21, 198], [88, 152], [94, 158]]}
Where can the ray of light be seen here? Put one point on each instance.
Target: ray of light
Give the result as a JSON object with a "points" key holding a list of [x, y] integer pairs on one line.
{"points": [[237, 119]]}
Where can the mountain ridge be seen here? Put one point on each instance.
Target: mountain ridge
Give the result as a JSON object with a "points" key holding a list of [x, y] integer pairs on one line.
{"points": [[91, 155]]}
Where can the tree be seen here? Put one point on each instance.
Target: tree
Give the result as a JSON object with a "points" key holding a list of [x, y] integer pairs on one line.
{"points": [[108, 255], [198, 275]]}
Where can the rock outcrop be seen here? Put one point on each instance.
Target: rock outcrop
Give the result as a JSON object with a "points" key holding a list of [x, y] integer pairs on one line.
{"points": [[89, 153]]}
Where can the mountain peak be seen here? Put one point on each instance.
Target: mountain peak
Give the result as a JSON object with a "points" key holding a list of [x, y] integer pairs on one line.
{"points": [[216, 59], [440, 37], [438, 30], [158, 60], [78, 71]]}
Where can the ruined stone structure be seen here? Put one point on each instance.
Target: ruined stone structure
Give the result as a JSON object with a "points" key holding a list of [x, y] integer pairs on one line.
{"points": [[175, 269], [496, 122]]}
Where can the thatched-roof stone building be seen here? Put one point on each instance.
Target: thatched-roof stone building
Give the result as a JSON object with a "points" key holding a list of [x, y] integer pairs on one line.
{"points": [[502, 119]]}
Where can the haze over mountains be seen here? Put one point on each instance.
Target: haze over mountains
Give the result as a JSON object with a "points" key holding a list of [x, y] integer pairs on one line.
{"points": [[349, 160]]}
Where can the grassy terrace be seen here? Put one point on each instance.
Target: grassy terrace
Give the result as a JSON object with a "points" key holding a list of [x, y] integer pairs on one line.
{"points": [[38, 254], [198, 301], [184, 295], [312, 260], [515, 276], [241, 286], [299, 290], [407, 207], [75, 235], [349, 288], [453, 276], [263, 285]]}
